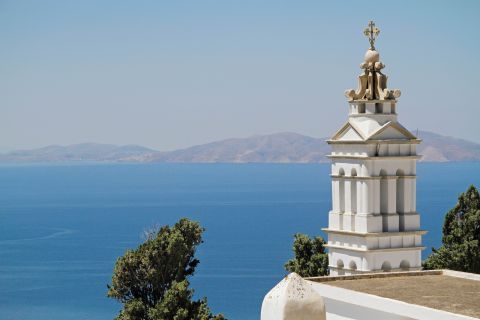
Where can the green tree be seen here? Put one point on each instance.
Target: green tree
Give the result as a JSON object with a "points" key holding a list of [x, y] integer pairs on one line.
{"points": [[461, 236], [311, 259], [151, 281]]}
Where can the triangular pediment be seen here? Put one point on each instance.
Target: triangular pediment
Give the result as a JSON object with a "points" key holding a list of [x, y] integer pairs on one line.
{"points": [[391, 131], [348, 133]]}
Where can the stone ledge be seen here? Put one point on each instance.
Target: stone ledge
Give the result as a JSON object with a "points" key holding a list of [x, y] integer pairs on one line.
{"points": [[377, 275], [377, 249], [376, 234], [393, 141], [415, 157]]}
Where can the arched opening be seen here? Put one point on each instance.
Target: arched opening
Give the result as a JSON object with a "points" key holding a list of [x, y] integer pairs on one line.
{"points": [[353, 191], [361, 108], [340, 266], [341, 173], [352, 265], [405, 265], [401, 198], [386, 266], [384, 199]]}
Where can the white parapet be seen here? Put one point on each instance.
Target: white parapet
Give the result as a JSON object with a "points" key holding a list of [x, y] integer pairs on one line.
{"points": [[293, 299]]}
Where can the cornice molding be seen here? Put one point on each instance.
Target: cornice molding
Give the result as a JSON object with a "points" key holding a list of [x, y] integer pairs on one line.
{"points": [[331, 156], [376, 250], [376, 234]]}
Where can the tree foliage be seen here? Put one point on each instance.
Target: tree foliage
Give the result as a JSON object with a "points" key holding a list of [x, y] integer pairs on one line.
{"points": [[461, 236], [151, 281], [311, 259]]}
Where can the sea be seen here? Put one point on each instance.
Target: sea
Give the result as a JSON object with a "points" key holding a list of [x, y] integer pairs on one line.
{"points": [[62, 227]]}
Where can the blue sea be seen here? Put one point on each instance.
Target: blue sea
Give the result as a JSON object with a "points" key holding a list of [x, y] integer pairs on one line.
{"points": [[62, 227]]}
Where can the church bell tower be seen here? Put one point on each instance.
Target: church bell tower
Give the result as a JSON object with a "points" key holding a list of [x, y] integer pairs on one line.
{"points": [[373, 225]]}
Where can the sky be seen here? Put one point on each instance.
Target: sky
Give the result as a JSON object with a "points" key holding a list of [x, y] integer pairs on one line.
{"points": [[171, 74]]}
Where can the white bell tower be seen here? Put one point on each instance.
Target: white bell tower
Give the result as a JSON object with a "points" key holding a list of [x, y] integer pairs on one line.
{"points": [[373, 225]]}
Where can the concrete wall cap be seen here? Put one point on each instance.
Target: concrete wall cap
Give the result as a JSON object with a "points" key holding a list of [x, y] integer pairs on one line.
{"points": [[293, 298]]}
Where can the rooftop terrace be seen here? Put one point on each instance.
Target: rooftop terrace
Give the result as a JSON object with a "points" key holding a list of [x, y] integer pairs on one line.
{"points": [[445, 290]]}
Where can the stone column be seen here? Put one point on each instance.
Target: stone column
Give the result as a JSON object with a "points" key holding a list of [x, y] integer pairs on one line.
{"points": [[392, 216], [376, 192], [407, 191], [413, 197], [335, 195], [348, 195], [365, 197], [359, 195], [392, 195]]}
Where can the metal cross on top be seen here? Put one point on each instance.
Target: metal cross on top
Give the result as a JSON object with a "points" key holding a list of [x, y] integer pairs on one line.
{"points": [[372, 33]]}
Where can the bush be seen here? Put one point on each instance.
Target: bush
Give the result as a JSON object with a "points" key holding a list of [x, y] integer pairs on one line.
{"points": [[460, 248], [151, 281], [311, 259]]}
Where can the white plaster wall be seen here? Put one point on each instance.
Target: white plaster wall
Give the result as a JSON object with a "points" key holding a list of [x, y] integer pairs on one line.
{"points": [[393, 149], [369, 205], [411, 221], [390, 133], [391, 222], [350, 135], [360, 222], [348, 195], [405, 150], [386, 108], [368, 223], [390, 165], [375, 186], [348, 221], [334, 222], [347, 258], [384, 241], [368, 252], [366, 150], [400, 150], [372, 260], [347, 165], [408, 241], [370, 108], [392, 196], [336, 195], [418, 240], [371, 120], [401, 197], [376, 259], [352, 241]]}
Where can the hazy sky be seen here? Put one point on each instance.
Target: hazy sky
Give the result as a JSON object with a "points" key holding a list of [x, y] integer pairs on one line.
{"points": [[170, 74]]}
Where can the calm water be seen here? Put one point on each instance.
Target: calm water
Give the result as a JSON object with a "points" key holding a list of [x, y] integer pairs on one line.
{"points": [[62, 227]]}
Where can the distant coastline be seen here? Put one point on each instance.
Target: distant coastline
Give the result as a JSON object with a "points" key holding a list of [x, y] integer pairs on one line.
{"points": [[284, 147]]}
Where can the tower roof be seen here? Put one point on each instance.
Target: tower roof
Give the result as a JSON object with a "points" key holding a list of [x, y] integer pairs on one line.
{"points": [[372, 117], [371, 131]]}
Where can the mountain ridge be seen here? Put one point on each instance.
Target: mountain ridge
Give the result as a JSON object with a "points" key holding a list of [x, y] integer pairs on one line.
{"points": [[283, 147]]}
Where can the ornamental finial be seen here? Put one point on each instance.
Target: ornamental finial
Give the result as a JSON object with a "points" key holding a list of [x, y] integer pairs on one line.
{"points": [[372, 33], [372, 84]]}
